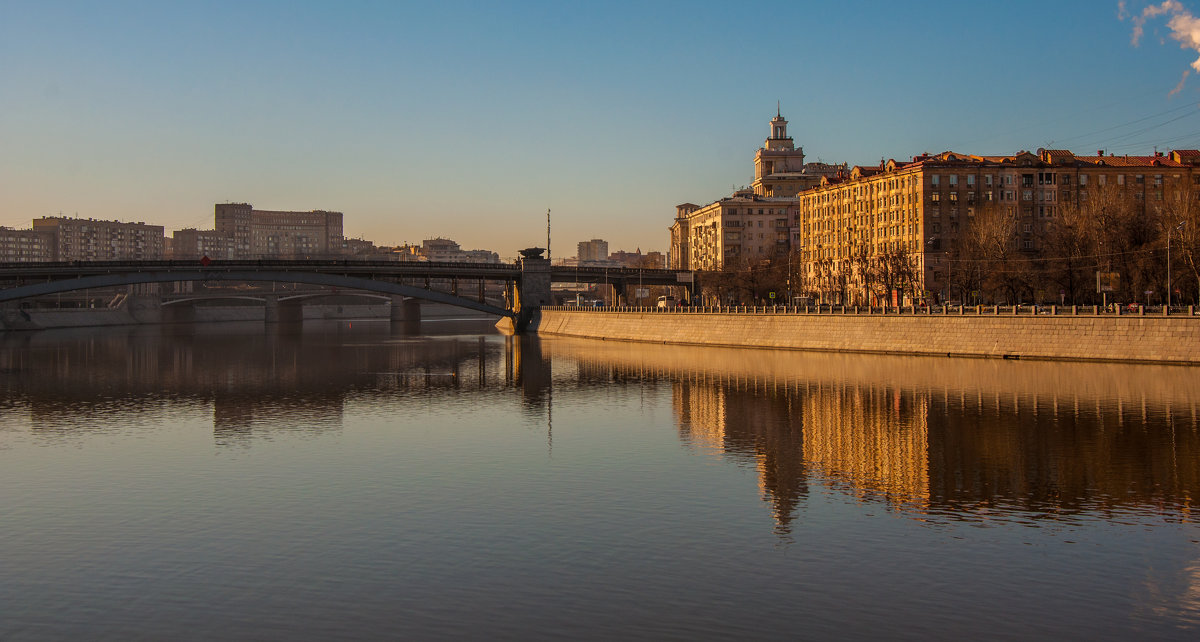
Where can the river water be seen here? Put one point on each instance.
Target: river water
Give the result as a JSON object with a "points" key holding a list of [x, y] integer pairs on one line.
{"points": [[345, 480]]}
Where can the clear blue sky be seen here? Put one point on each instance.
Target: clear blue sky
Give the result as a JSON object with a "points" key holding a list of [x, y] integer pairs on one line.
{"points": [[469, 120]]}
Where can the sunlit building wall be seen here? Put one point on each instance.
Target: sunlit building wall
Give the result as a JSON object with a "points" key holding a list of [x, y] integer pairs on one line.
{"points": [[78, 239]]}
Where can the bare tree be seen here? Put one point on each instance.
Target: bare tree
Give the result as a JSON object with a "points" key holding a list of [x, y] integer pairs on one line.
{"points": [[992, 239]]}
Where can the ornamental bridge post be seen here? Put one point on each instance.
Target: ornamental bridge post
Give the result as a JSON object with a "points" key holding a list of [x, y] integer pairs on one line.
{"points": [[531, 290]]}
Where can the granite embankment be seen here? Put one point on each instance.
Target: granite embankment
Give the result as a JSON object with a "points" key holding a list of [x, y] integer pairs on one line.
{"points": [[1163, 339]]}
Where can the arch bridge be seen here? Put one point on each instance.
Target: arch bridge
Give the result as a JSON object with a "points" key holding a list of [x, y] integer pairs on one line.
{"points": [[526, 282]]}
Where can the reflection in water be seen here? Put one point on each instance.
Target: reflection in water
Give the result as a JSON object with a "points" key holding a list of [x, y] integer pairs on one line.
{"points": [[290, 379], [373, 483], [932, 438]]}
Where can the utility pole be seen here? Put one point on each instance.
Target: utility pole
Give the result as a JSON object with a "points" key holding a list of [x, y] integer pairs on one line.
{"points": [[547, 234]]}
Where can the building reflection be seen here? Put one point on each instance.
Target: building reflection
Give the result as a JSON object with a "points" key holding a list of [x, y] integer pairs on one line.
{"points": [[931, 438]]}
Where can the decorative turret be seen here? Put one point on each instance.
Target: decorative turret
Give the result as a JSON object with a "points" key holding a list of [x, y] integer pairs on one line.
{"points": [[779, 139]]}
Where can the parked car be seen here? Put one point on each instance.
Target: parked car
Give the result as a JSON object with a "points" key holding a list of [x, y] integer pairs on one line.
{"points": [[667, 302]]}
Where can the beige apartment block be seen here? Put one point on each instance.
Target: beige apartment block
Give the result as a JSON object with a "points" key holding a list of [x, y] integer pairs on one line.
{"points": [[917, 213], [279, 234], [593, 251], [194, 244], [739, 229], [78, 239], [26, 246]]}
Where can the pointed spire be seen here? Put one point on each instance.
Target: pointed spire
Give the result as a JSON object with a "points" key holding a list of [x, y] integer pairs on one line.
{"points": [[778, 113]]}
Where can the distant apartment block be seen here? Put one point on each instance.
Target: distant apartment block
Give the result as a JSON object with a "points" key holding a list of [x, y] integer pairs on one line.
{"points": [[592, 251], [193, 244], [25, 246], [441, 249], [276, 234], [636, 259], [77, 239]]}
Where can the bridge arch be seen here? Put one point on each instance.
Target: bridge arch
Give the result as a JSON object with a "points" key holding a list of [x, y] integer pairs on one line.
{"points": [[310, 278]]}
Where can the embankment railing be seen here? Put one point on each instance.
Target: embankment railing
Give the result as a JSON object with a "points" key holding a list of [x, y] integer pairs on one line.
{"points": [[909, 310]]}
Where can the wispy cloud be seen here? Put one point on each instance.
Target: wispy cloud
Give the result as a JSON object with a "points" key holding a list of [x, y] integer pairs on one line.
{"points": [[1184, 27], [1179, 87]]}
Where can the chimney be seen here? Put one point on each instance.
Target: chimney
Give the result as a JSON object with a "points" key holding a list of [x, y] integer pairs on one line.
{"points": [[1099, 152]]}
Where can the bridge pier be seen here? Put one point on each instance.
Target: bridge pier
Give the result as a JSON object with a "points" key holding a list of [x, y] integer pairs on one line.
{"points": [[145, 308], [533, 289], [277, 312], [406, 311]]}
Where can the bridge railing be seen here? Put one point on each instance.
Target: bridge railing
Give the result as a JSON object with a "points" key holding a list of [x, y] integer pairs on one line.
{"points": [[906, 310]]}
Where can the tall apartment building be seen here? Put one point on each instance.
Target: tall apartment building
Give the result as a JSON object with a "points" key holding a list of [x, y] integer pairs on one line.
{"points": [[593, 251], [264, 233], [26, 246], [77, 239]]}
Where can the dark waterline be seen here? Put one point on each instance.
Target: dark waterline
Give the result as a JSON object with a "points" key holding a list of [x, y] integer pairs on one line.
{"points": [[345, 480]]}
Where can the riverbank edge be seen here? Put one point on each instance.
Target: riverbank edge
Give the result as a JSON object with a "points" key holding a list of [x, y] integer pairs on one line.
{"points": [[1127, 339]]}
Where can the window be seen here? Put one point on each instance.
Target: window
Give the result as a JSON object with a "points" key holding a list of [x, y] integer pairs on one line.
{"points": [[971, 180], [1027, 195], [1082, 180], [934, 180], [953, 181], [987, 180], [1120, 179], [1103, 179], [953, 197]]}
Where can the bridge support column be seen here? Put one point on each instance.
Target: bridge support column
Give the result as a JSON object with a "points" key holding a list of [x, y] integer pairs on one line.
{"points": [[145, 308], [406, 311], [271, 308], [533, 288]]}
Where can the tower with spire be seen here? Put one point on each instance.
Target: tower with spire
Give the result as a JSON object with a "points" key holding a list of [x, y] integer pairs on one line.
{"points": [[779, 164], [779, 167]]}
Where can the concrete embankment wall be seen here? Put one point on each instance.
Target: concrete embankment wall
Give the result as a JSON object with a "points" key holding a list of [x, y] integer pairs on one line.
{"points": [[1174, 339]]}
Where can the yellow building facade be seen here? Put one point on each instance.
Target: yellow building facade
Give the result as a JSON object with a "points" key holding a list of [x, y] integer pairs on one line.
{"points": [[909, 219]]}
